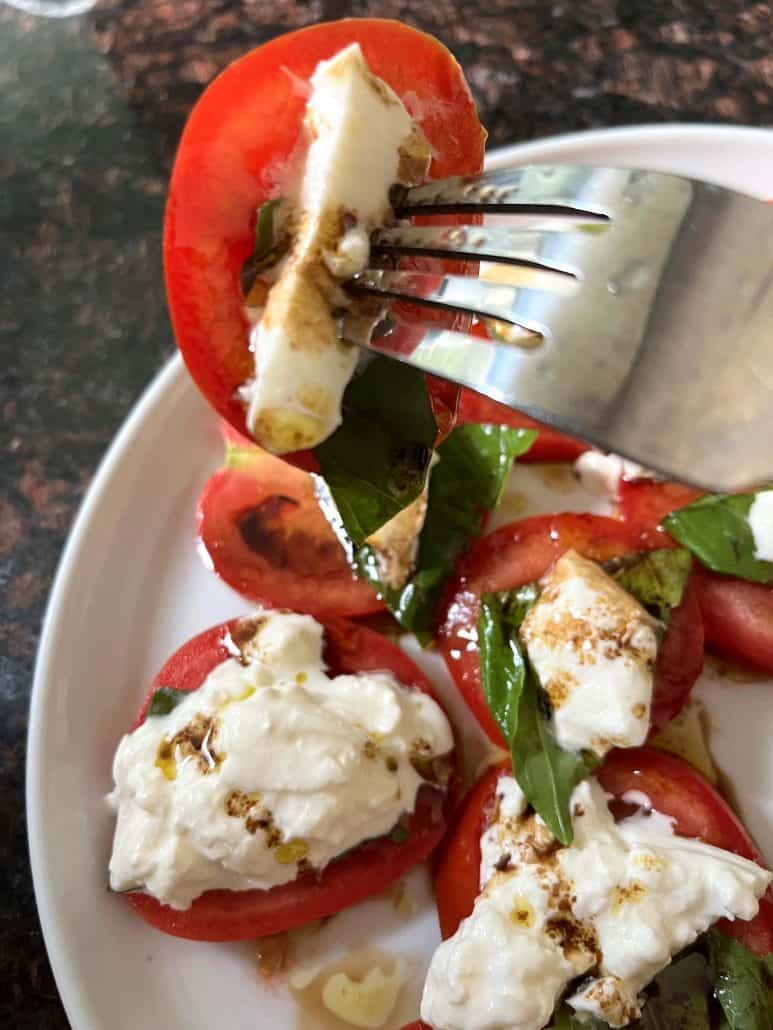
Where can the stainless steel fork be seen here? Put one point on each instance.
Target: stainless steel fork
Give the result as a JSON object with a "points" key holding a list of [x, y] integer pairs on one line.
{"points": [[651, 296]]}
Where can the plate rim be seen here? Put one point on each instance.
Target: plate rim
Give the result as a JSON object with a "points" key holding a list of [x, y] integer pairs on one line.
{"points": [[65, 970], [504, 154]]}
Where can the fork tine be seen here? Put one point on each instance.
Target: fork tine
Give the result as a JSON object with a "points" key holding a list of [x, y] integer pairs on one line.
{"points": [[520, 371], [578, 190], [527, 248], [525, 306], [657, 349], [481, 365]]}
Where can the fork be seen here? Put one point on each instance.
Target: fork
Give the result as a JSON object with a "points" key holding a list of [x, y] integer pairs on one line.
{"points": [[638, 309]]}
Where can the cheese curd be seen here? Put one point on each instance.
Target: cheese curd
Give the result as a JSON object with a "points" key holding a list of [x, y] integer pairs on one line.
{"points": [[601, 473], [593, 648], [271, 767], [617, 904], [761, 524], [363, 141], [500, 969], [367, 1002]]}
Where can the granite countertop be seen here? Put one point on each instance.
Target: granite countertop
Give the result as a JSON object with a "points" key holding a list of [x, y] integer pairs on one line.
{"points": [[92, 106]]}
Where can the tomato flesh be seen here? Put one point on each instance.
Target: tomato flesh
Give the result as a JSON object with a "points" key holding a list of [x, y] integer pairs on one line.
{"points": [[644, 503], [676, 789], [737, 615], [521, 553], [737, 619], [673, 788], [444, 398], [550, 445], [679, 662], [261, 525], [233, 151], [456, 872], [244, 915], [221, 915]]}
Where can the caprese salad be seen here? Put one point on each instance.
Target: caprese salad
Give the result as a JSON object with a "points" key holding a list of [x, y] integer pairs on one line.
{"points": [[295, 761], [280, 769]]}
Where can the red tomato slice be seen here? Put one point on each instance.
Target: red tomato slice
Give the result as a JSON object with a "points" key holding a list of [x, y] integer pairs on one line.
{"points": [[737, 618], [233, 150], [644, 503], [673, 787], [737, 615], [680, 659], [676, 789], [522, 552], [549, 445], [457, 861], [260, 523], [221, 915], [444, 398]]}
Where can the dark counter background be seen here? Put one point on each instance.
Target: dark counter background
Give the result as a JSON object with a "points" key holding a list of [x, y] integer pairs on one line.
{"points": [[90, 111]]}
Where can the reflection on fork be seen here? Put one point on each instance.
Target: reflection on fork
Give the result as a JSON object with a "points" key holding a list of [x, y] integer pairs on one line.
{"points": [[651, 296]]}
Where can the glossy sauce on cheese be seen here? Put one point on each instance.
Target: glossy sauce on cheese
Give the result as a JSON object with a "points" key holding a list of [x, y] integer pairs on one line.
{"points": [[270, 768], [614, 907]]}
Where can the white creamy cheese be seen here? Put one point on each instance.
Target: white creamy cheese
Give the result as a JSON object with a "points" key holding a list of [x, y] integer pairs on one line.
{"points": [[601, 473], [271, 766], [500, 969], [367, 1002], [511, 805], [396, 543], [761, 524], [593, 648], [363, 141], [647, 893], [617, 904]]}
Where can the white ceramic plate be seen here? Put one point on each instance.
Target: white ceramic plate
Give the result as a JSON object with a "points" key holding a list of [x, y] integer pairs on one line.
{"points": [[131, 588]]}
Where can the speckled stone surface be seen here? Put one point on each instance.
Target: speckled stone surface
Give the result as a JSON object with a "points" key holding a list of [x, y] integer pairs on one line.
{"points": [[90, 111]]}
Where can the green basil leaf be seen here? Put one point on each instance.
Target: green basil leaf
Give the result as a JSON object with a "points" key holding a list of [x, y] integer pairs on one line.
{"points": [[474, 463], [165, 699], [565, 1019], [413, 605], [376, 462], [677, 999], [675, 1014], [688, 1014], [478, 460], [657, 579], [502, 662], [546, 773], [265, 231], [393, 395], [517, 603], [270, 243], [399, 834], [743, 983], [716, 529]]}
